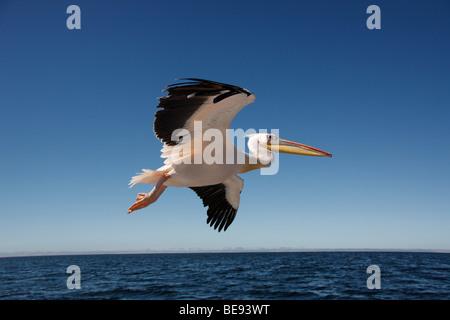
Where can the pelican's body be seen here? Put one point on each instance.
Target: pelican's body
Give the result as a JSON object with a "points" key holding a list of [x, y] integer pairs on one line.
{"points": [[189, 115], [191, 174]]}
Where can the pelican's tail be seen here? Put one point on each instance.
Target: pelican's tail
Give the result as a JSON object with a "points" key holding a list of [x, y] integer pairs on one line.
{"points": [[146, 176]]}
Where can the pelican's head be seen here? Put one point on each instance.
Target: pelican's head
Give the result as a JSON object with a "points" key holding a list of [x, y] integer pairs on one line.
{"points": [[274, 143]]}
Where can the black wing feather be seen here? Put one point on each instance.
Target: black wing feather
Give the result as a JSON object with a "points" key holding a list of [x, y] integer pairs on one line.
{"points": [[220, 212]]}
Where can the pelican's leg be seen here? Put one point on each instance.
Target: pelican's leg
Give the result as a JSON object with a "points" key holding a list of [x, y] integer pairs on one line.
{"points": [[145, 199]]}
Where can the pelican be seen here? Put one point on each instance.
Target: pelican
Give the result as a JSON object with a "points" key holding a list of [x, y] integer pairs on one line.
{"points": [[212, 105]]}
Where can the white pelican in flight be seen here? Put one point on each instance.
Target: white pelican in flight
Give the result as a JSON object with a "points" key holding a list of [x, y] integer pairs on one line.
{"points": [[213, 105]]}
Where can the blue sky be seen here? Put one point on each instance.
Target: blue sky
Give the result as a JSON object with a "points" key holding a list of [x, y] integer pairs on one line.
{"points": [[77, 107]]}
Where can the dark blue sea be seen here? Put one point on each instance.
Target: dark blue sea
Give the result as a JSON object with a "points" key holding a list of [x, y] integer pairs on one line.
{"points": [[235, 276]]}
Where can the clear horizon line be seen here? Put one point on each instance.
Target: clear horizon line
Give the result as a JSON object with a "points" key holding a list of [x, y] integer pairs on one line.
{"points": [[229, 250]]}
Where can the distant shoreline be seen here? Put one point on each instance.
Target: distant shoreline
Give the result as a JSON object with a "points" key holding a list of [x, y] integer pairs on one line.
{"points": [[199, 251]]}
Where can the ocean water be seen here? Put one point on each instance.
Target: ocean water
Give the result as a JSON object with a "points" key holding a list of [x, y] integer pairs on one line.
{"points": [[234, 276]]}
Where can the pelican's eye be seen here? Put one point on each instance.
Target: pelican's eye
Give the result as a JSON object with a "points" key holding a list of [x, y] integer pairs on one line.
{"points": [[272, 138]]}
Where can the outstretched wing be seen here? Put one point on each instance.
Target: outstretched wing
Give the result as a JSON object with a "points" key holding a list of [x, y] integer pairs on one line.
{"points": [[213, 103], [222, 201]]}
